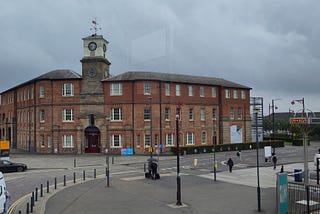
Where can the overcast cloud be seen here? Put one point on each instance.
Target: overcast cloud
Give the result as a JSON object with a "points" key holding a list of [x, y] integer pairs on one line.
{"points": [[271, 46]]}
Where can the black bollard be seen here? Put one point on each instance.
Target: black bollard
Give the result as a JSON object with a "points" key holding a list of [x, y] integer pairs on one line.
{"points": [[19, 211], [32, 199], [64, 180], [74, 162], [84, 175], [74, 177], [27, 208], [36, 198], [55, 183], [94, 173], [41, 190], [47, 186], [31, 206]]}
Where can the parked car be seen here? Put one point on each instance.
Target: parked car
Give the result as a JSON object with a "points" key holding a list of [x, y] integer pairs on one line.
{"points": [[8, 166]]}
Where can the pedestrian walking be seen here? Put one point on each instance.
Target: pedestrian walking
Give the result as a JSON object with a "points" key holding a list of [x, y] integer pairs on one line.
{"points": [[230, 164], [7, 202], [274, 160]]}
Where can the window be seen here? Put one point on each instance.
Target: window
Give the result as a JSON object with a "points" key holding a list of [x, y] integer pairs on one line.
{"points": [[147, 88], [235, 94], [190, 91], [147, 114], [191, 114], [42, 116], [202, 114], [67, 115], [116, 141], [167, 114], [203, 137], [42, 140], [167, 89], [67, 141], [41, 91], [116, 114], [169, 139], [201, 91], [115, 89], [138, 141], [231, 113], [178, 93], [67, 90], [243, 94], [190, 138], [49, 142], [227, 91], [239, 113], [214, 92], [147, 140]]}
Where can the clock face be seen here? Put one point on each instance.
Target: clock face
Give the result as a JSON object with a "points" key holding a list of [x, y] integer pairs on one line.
{"points": [[92, 46], [91, 73]]}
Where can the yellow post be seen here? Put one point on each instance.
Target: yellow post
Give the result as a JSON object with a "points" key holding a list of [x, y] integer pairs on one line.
{"points": [[195, 162]]}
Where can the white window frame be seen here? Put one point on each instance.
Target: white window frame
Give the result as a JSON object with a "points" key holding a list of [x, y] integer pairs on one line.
{"points": [[49, 141], [41, 91], [138, 141], [178, 92], [67, 115], [67, 90], [147, 140], [203, 137], [147, 114], [190, 91], [116, 138], [167, 89], [115, 89], [202, 114], [67, 141], [167, 114], [170, 139], [227, 91], [116, 114], [243, 94], [42, 142], [190, 138], [42, 116], [214, 92], [191, 114], [201, 91], [231, 113], [235, 94], [147, 88], [239, 113]]}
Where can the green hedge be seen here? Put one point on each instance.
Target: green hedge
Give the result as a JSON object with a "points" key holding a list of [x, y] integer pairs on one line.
{"points": [[226, 147]]}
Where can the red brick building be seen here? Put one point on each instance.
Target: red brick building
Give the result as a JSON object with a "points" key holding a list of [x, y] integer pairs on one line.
{"points": [[65, 112]]}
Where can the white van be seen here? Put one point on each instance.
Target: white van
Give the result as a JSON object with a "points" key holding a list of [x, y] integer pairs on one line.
{"points": [[3, 188]]}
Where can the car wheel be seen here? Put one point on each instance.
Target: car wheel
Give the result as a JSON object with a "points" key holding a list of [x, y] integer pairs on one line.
{"points": [[19, 169]]}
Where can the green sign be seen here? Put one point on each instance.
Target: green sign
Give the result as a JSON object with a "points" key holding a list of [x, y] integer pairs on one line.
{"points": [[282, 184]]}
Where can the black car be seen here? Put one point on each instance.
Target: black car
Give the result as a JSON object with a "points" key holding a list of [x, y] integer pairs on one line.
{"points": [[8, 166]]}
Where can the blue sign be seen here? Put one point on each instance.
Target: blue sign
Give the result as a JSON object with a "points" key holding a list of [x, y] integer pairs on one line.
{"points": [[127, 151], [282, 193], [161, 146]]}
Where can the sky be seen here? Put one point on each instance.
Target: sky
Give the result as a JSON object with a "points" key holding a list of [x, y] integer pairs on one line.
{"points": [[271, 46]]}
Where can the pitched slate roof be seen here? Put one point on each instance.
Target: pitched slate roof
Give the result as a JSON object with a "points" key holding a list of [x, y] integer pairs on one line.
{"points": [[178, 78], [61, 74]]}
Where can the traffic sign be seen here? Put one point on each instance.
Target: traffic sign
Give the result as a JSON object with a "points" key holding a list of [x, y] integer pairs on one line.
{"points": [[298, 120]]}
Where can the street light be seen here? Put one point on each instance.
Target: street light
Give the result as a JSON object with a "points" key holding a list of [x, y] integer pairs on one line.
{"points": [[178, 160], [273, 127], [214, 139], [255, 111], [108, 154], [150, 98]]}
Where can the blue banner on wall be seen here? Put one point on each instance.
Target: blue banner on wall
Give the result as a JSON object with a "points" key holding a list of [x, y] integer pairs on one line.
{"points": [[127, 151]]}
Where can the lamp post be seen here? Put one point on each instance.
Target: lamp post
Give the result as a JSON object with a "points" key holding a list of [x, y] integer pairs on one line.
{"points": [[273, 127], [214, 139], [108, 154], [178, 160], [256, 110], [150, 98]]}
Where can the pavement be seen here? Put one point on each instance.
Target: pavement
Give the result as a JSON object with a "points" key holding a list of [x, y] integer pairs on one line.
{"points": [[234, 192]]}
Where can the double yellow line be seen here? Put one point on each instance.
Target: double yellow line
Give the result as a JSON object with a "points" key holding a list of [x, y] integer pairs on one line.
{"points": [[17, 202]]}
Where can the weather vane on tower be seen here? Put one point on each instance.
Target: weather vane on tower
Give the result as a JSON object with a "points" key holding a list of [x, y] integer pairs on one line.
{"points": [[95, 26]]}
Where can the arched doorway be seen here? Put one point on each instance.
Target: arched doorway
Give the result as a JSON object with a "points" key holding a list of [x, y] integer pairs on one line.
{"points": [[92, 135]]}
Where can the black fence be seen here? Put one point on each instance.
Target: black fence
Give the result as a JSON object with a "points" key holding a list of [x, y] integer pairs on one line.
{"points": [[303, 198]]}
